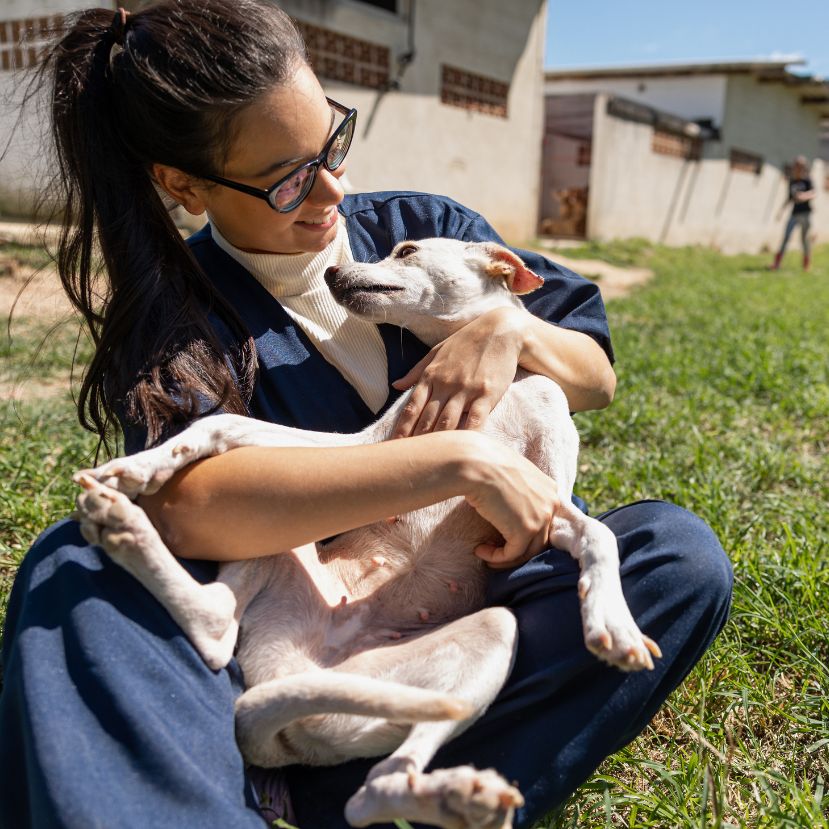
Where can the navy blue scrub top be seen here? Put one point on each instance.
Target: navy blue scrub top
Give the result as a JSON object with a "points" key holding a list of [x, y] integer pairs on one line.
{"points": [[296, 385]]}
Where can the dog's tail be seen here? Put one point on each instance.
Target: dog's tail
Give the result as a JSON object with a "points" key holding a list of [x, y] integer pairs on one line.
{"points": [[271, 706]]}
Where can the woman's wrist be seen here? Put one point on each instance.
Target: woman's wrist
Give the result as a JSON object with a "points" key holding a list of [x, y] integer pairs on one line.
{"points": [[472, 457], [513, 325]]}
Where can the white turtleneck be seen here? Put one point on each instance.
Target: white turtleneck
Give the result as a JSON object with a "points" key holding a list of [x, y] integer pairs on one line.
{"points": [[295, 280]]}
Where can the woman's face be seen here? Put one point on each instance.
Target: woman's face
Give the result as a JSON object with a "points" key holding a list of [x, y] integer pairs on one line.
{"points": [[277, 133]]}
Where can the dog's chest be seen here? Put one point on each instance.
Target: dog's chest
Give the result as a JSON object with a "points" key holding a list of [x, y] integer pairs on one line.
{"points": [[370, 587]]}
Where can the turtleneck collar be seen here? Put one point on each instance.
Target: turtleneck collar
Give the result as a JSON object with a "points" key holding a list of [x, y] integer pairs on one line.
{"points": [[286, 275]]}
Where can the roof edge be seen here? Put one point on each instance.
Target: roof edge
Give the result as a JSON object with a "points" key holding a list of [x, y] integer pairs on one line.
{"points": [[712, 67]]}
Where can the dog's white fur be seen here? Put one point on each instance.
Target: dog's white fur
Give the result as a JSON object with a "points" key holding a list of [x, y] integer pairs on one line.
{"points": [[377, 641]]}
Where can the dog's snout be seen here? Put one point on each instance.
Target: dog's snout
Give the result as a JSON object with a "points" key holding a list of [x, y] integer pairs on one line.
{"points": [[331, 274]]}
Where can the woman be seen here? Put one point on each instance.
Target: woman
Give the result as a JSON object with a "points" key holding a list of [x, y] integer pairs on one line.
{"points": [[801, 193], [108, 715]]}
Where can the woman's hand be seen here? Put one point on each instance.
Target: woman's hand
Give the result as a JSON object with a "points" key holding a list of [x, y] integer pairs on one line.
{"points": [[459, 382], [516, 497]]}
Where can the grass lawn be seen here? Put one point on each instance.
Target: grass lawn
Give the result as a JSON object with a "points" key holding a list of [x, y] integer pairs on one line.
{"points": [[722, 406]]}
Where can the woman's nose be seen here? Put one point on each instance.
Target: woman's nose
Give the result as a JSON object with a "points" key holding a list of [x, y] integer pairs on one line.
{"points": [[327, 189]]}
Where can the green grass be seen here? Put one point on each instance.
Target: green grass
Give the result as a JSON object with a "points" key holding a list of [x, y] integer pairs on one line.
{"points": [[722, 407], [41, 443]]}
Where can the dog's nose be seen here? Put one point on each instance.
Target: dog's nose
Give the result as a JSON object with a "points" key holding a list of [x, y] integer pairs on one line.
{"points": [[331, 274]]}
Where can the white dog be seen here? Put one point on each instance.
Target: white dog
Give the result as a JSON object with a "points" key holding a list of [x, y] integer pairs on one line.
{"points": [[378, 641]]}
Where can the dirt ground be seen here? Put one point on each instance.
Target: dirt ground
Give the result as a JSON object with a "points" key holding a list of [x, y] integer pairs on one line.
{"points": [[32, 294], [613, 281]]}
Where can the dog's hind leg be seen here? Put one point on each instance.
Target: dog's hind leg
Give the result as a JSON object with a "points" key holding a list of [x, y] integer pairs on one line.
{"points": [[469, 658], [297, 718], [205, 612]]}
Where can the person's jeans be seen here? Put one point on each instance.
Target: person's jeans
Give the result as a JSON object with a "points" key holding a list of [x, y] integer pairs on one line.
{"points": [[801, 220]]}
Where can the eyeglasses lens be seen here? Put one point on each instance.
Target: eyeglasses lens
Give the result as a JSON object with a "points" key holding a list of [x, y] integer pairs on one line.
{"points": [[294, 190], [340, 146], [290, 193]]}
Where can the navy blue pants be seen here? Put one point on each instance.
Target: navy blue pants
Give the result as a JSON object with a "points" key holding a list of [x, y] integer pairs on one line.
{"points": [[109, 718]]}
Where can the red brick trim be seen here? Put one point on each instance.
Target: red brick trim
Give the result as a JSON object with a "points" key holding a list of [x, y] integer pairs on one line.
{"points": [[745, 162], [340, 57], [665, 142], [476, 92], [22, 41]]}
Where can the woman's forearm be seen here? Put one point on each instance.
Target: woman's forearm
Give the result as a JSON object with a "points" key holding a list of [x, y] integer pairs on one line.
{"points": [[574, 360], [257, 501]]}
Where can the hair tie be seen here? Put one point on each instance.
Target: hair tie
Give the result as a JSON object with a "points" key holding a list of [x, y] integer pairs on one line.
{"points": [[119, 26]]}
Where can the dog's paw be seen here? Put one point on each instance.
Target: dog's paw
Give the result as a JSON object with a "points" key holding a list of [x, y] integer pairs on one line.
{"points": [[109, 519], [459, 798], [610, 631], [145, 472]]}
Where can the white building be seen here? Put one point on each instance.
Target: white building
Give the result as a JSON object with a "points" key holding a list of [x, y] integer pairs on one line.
{"points": [[681, 153], [449, 96]]}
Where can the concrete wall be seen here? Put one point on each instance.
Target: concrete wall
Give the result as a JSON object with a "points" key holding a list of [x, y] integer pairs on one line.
{"points": [[406, 139], [409, 140], [691, 97], [19, 9], [22, 159], [636, 192]]}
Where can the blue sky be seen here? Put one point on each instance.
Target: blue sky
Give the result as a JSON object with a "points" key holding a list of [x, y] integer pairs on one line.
{"points": [[609, 32]]}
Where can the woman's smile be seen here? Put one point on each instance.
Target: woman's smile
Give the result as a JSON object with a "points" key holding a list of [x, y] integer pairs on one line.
{"points": [[321, 224]]}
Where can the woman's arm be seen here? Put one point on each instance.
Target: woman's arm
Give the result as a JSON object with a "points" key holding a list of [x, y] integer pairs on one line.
{"points": [[257, 501], [804, 195], [461, 380]]}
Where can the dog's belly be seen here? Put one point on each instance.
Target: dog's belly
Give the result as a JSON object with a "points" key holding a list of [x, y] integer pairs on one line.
{"points": [[374, 587]]}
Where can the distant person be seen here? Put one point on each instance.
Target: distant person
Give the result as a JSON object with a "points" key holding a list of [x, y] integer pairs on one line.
{"points": [[801, 193]]}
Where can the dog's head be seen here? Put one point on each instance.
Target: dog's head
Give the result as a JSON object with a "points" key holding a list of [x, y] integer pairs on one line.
{"points": [[433, 286]]}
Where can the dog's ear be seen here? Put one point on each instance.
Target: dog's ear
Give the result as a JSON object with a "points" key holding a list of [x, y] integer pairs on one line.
{"points": [[504, 264]]}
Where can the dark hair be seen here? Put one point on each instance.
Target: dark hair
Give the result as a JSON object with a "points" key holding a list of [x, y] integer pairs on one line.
{"points": [[162, 85]]}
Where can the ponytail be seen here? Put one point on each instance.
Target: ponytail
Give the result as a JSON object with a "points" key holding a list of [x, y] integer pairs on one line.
{"points": [[162, 85]]}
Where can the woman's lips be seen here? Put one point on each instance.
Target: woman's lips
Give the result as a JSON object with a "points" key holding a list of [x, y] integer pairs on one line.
{"points": [[326, 224]]}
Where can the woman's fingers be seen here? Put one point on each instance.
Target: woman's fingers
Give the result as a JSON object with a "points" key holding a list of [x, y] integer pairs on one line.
{"points": [[513, 552], [428, 416], [451, 415], [410, 415], [478, 413], [415, 372]]}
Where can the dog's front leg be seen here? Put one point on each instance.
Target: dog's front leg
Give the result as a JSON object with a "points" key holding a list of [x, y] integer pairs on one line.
{"points": [[146, 472], [610, 631]]}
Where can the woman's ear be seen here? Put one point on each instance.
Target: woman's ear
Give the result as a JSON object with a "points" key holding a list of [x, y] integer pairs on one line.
{"points": [[180, 187]]}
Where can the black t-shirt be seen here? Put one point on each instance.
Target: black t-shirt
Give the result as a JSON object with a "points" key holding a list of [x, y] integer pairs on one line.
{"points": [[800, 185]]}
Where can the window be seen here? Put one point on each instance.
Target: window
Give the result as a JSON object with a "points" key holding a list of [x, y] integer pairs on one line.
{"points": [[343, 58], [476, 92], [22, 40], [672, 143], [388, 5], [746, 162]]}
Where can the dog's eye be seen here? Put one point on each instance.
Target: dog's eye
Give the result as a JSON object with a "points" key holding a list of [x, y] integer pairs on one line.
{"points": [[405, 250]]}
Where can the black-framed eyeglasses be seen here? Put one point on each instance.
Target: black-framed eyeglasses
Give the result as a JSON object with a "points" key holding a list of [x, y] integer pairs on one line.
{"points": [[290, 191]]}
